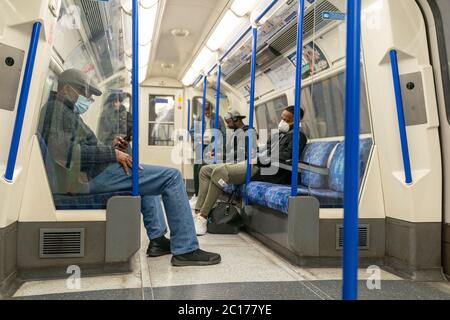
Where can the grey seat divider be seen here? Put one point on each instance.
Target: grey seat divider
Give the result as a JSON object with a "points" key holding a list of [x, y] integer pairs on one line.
{"points": [[123, 228], [303, 226]]}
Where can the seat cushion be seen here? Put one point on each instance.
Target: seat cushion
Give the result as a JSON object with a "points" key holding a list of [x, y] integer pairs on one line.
{"points": [[256, 192], [336, 178], [85, 201], [317, 154], [277, 197]]}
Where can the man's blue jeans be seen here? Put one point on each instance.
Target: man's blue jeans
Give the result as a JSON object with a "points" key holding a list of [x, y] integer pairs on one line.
{"points": [[153, 182]]}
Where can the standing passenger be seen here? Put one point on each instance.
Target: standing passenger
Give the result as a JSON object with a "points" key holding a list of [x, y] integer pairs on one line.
{"points": [[196, 133]]}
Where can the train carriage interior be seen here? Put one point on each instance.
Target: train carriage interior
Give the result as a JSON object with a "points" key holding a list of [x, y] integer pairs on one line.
{"points": [[106, 105]]}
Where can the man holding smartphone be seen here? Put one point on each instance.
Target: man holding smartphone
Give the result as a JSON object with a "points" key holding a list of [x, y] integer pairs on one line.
{"points": [[107, 170]]}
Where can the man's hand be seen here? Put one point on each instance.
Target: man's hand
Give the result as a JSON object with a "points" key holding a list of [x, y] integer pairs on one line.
{"points": [[120, 143], [125, 160]]}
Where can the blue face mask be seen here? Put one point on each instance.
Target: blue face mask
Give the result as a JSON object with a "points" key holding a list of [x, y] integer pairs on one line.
{"points": [[82, 105]]}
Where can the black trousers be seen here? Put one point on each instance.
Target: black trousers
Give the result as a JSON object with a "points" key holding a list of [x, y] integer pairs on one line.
{"points": [[197, 168]]}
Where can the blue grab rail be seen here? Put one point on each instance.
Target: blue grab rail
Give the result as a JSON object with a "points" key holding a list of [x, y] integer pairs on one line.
{"points": [[401, 117], [298, 95], [205, 83], [219, 79], [244, 34], [23, 101], [268, 8], [231, 48], [248, 177], [135, 107], [352, 130]]}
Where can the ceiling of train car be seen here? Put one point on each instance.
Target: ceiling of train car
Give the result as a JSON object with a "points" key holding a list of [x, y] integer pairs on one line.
{"points": [[172, 54]]}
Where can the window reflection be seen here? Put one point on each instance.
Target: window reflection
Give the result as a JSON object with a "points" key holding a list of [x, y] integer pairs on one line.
{"points": [[85, 102], [161, 120]]}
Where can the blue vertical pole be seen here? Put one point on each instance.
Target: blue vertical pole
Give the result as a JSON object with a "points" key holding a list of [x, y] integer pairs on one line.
{"points": [[352, 128], [401, 117], [23, 100], [298, 95], [135, 83], [252, 110], [216, 126], [205, 83], [189, 116]]}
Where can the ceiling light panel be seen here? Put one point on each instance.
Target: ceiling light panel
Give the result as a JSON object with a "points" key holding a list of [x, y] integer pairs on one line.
{"points": [[202, 59], [190, 77], [243, 7], [226, 27]]}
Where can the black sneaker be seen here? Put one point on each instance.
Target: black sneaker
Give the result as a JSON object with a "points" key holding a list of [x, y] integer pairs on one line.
{"points": [[196, 258], [158, 247]]}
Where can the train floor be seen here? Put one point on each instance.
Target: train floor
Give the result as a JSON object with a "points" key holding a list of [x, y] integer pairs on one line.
{"points": [[249, 271]]}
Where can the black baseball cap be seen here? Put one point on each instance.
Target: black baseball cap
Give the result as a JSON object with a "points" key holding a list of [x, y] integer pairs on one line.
{"points": [[78, 79]]}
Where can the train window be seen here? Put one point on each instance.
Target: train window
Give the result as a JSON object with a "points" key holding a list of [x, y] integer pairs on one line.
{"points": [[440, 10], [268, 114], [324, 107], [161, 120], [85, 104]]}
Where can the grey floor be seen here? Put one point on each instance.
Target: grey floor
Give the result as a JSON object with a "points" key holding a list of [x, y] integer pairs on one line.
{"points": [[249, 271]]}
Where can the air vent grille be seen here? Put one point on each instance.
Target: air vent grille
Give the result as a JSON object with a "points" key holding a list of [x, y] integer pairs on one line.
{"points": [[287, 40], [93, 15], [363, 237], [240, 74], [61, 243]]}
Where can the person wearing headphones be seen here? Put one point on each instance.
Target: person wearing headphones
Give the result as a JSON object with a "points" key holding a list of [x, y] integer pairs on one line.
{"points": [[213, 178]]}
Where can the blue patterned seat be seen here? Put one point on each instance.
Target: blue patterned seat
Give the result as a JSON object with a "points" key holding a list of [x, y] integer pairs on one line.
{"points": [[317, 154], [256, 192], [78, 201], [330, 195], [85, 201], [336, 178]]}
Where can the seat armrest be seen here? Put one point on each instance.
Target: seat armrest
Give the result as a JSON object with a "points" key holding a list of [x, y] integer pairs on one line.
{"points": [[302, 166]]}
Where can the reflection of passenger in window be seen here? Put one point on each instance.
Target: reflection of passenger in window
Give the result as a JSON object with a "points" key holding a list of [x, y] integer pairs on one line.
{"points": [[71, 17], [73, 155], [115, 120]]}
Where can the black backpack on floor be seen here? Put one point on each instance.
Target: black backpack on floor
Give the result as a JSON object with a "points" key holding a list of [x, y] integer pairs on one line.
{"points": [[225, 218]]}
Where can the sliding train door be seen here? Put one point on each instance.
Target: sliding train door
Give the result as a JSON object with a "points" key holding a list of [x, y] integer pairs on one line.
{"points": [[437, 13], [161, 117]]}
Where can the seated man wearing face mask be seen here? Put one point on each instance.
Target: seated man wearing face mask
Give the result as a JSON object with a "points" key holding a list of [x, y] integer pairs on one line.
{"points": [[215, 178], [106, 169], [283, 145]]}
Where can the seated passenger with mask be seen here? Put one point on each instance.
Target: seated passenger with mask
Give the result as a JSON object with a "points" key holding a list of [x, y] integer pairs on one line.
{"points": [[281, 145], [214, 178], [208, 141], [105, 169]]}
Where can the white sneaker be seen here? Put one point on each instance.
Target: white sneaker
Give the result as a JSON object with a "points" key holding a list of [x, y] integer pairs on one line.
{"points": [[194, 213], [201, 225], [193, 202]]}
